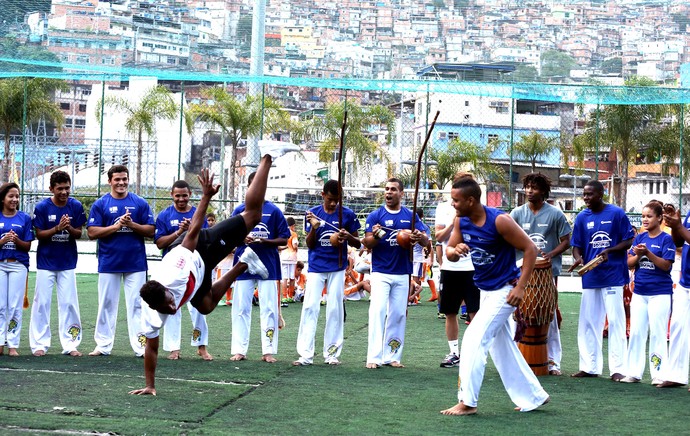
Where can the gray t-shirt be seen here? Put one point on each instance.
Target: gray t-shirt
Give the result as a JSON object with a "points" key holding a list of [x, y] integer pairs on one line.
{"points": [[545, 229]]}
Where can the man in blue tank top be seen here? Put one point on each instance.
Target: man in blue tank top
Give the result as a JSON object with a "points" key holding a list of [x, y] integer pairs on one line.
{"points": [[601, 230], [490, 237], [391, 267]]}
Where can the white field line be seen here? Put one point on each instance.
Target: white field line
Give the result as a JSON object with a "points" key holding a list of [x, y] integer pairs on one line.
{"points": [[212, 382]]}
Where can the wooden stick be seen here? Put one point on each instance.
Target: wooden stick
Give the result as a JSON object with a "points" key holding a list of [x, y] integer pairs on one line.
{"points": [[419, 170], [589, 266]]}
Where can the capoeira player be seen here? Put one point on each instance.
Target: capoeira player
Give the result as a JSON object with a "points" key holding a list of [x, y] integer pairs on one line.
{"points": [[390, 276], [185, 272], [59, 221], [325, 271], [490, 237]]}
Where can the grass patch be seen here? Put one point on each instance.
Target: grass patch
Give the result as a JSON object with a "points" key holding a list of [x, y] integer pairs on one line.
{"points": [[89, 394]]}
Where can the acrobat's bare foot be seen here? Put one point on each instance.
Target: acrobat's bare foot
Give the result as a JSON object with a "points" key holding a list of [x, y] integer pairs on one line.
{"points": [[13, 352], [238, 357], [75, 353], [96, 353], [459, 410], [174, 355], [395, 364], [519, 409], [204, 353], [373, 366], [268, 358], [39, 353]]}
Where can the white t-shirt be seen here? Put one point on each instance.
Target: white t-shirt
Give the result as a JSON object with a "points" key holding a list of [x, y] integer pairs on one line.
{"points": [[181, 271], [445, 215]]}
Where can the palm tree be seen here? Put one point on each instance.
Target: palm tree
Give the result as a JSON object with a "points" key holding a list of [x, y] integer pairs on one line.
{"points": [[464, 155], [534, 145], [360, 120], [239, 118], [39, 103], [156, 103], [624, 130]]}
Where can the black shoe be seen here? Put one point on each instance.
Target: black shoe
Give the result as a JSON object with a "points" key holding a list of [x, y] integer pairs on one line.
{"points": [[450, 361]]}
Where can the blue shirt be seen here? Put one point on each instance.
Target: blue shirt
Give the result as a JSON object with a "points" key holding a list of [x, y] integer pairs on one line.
{"points": [[59, 252], [168, 222], [650, 280], [387, 256], [324, 257], [272, 226], [595, 232], [685, 258], [493, 258], [21, 224], [124, 250]]}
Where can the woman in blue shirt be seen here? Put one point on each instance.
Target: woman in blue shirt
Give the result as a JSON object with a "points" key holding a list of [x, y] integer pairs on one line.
{"points": [[16, 235], [652, 255]]}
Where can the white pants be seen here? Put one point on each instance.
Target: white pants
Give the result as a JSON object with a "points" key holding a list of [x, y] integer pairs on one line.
{"points": [[596, 305], [333, 335], [69, 321], [172, 332], [490, 332], [648, 313], [678, 350], [12, 287], [554, 349], [387, 317], [108, 301], [242, 315]]}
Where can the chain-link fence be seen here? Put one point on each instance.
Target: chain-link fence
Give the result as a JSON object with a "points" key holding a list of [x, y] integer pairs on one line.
{"points": [[498, 132]]}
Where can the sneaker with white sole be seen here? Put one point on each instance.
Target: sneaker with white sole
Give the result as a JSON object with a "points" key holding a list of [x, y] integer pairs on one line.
{"points": [[450, 361], [276, 149], [254, 264]]}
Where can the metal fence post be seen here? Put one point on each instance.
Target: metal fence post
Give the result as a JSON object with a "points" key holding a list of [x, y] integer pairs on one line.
{"points": [[100, 139], [179, 148], [512, 139], [24, 116]]}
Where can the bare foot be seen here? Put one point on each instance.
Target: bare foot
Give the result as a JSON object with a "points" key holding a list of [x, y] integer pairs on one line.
{"points": [[373, 366], [203, 353], [300, 363], [281, 322], [518, 409], [13, 352], [459, 410], [237, 357], [39, 353], [174, 355], [395, 364], [268, 358], [75, 353], [96, 353]]}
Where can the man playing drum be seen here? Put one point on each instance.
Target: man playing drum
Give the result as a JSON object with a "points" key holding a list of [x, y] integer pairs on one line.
{"points": [[601, 230], [548, 228], [490, 237]]}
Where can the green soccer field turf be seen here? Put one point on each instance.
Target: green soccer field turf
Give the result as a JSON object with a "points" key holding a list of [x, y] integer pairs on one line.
{"points": [[89, 394]]}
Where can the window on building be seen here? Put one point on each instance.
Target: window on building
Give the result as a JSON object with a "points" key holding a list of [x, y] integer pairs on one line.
{"points": [[453, 135], [79, 123], [68, 122], [419, 139], [171, 60], [64, 106], [467, 103]]}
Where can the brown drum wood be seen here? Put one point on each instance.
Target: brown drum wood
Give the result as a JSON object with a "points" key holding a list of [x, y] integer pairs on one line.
{"points": [[538, 307], [539, 302], [533, 348]]}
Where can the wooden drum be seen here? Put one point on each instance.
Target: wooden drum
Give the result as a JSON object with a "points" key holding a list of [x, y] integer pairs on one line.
{"points": [[538, 307]]}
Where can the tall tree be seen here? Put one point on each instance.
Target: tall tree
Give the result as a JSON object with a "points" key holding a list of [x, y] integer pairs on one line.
{"points": [[556, 63], [534, 145], [239, 118], [39, 103], [156, 104], [326, 130], [467, 156], [624, 129]]}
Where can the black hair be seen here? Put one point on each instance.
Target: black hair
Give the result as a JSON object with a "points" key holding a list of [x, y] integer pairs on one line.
{"points": [[290, 221], [396, 180], [596, 185], [181, 184], [59, 176], [117, 169], [5, 188], [541, 181], [153, 293], [469, 187], [331, 187]]}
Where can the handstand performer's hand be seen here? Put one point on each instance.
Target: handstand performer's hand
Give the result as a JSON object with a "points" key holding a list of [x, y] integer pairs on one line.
{"points": [[205, 178]]}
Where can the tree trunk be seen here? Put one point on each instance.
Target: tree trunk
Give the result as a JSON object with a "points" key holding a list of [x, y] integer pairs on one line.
{"points": [[140, 150], [231, 172], [6, 161]]}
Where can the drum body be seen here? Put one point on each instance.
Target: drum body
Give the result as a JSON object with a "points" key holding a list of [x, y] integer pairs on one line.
{"points": [[538, 308]]}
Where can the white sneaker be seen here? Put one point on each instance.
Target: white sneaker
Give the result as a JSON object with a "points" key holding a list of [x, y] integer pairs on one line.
{"points": [[275, 149], [254, 264]]}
